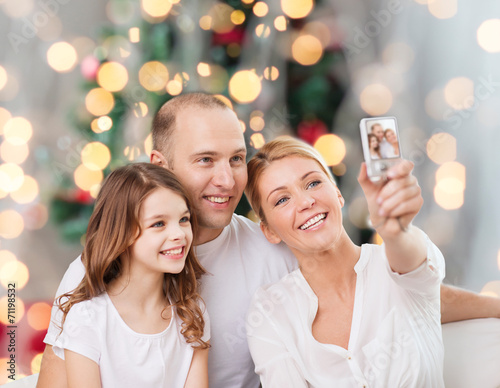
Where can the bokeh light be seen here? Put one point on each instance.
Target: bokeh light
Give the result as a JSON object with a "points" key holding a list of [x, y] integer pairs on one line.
{"points": [[153, 76], [450, 185], [238, 17], [112, 76], [4, 117], [95, 156], [6, 257], [257, 140], [11, 177], [104, 123], [17, 130], [271, 73], [225, 100], [140, 109], [4, 305], [487, 35], [307, 50], [36, 363], [220, 15], [376, 99], [320, 30], [262, 31], [260, 9], [35, 217], [131, 152], [62, 57], [442, 148], [148, 144], [27, 192], [257, 123], [332, 148], [3, 77], [459, 93], [134, 34], [86, 178], [443, 9], [11, 224], [245, 86], [17, 8], [280, 23], [99, 102], [14, 272], [156, 8], [11, 153], [491, 288], [205, 22], [174, 87], [297, 9], [203, 69], [39, 315]]}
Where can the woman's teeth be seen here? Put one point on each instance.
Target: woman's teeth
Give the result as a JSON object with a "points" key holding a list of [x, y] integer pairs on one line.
{"points": [[314, 221]]}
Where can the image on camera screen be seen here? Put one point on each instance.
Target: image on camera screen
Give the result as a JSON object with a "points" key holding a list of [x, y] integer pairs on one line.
{"points": [[383, 140]]}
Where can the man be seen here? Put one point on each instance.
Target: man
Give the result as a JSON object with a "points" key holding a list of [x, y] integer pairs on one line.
{"points": [[200, 140], [385, 147]]}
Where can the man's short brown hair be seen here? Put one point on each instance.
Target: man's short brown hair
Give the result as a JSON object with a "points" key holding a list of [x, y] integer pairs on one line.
{"points": [[164, 120]]}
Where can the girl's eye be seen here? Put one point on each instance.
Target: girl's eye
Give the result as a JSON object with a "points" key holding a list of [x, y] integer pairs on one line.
{"points": [[281, 201], [313, 184], [158, 224], [184, 220]]}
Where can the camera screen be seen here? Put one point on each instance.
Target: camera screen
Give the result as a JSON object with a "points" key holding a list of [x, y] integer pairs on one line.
{"points": [[383, 140]]}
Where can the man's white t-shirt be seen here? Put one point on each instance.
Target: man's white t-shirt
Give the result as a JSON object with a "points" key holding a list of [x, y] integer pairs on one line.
{"points": [[239, 261], [127, 359], [395, 338]]}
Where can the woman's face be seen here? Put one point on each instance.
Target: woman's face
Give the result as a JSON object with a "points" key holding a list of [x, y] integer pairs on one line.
{"points": [[391, 137], [302, 206], [373, 143]]}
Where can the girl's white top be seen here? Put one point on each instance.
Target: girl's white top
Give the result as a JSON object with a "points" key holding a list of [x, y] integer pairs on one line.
{"points": [[395, 338], [95, 329]]}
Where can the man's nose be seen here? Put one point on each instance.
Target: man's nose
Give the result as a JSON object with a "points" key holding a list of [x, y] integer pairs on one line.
{"points": [[223, 176]]}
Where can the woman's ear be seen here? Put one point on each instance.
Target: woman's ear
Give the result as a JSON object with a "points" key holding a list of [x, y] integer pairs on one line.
{"points": [[341, 198], [158, 159], [272, 237]]}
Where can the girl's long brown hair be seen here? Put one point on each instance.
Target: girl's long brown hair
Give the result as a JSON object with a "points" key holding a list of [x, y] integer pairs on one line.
{"points": [[113, 228]]}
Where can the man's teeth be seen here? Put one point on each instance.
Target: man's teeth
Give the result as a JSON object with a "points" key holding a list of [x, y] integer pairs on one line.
{"points": [[173, 252], [218, 199], [314, 221]]}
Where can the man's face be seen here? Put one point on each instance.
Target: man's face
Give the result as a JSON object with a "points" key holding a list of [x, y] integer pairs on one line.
{"points": [[378, 131], [208, 155]]}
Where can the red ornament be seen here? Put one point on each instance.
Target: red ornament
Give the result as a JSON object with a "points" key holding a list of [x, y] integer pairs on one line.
{"points": [[234, 36], [309, 131]]}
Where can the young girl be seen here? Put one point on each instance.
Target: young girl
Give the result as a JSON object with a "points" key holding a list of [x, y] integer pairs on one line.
{"points": [[350, 316], [136, 319]]}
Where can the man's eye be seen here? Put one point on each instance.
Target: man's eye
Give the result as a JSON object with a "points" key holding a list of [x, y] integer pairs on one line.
{"points": [[237, 158], [205, 160], [184, 220]]}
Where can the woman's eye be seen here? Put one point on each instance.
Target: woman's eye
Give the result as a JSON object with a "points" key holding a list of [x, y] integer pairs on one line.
{"points": [[184, 219], [313, 184], [281, 201]]}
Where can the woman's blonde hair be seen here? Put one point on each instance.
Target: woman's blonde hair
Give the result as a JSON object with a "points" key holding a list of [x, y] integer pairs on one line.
{"points": [[279, 148], [115, 225]]}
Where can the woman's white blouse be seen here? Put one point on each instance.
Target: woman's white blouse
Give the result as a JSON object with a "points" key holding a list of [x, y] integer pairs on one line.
{"points": [[395, 338]]}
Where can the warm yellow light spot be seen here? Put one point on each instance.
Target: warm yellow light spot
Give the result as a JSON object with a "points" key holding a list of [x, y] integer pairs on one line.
{"points": [[6, 257], [247, 1], [174, 87], [245, 86], [62, 57], [307, 50], [376, 99], [203, 69], [27, 192], [377, 239], [206, 22], [94, 191], [399, 57], [132, 153], [4, 306], [14, 272], [96, 156], [36, 217], [271, 73], [260, 9], [280, 23], [442, 148], [238, 17], [95, 126], [262, 31], [332, 148], [156, 8], [225, 100], [340, 169], [104, 123], [85, 178], [3, 77], [491, 288], [446, 199], [459, 93], [243, 126], [257, 123], [148, 144], [11, 177], [297, 9], [4, 117], [17, 130], [36, 363], [99, 102], [451, 177], [487, 35], [11, 153], [443, 9], [134, 35], [257, 140], [39, 316], [112, 76], [153, 76], [140, 109], [221, 18], [319, 30], [183, 78]]}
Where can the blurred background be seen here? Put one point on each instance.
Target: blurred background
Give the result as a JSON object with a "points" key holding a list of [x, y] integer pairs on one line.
{"points": [[81, 81]]}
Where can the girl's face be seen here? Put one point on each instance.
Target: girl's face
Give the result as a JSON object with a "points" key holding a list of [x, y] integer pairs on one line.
{"points": [[302, 206], [166, 234], [373, 142]]}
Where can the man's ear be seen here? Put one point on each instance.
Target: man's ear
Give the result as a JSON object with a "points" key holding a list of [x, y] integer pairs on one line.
{"points": [[341, 198], [158, 159], [272, 237]]}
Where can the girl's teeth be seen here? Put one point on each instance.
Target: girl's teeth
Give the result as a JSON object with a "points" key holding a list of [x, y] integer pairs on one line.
{"points": [[173, 252]]}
